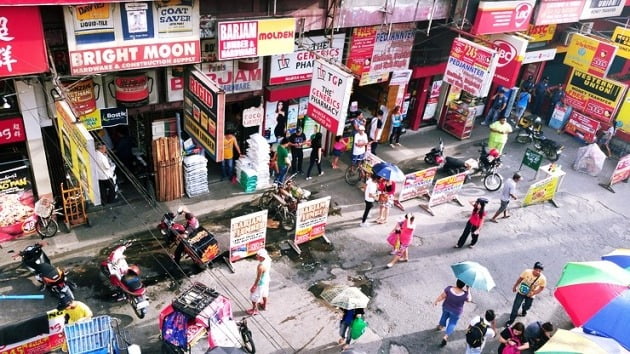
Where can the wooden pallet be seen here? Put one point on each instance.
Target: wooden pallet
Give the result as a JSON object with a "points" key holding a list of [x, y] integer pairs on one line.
{"points": [[167, 163]]}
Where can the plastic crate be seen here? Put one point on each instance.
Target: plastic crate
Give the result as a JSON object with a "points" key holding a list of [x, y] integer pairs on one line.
{"points": [[93, 337]]}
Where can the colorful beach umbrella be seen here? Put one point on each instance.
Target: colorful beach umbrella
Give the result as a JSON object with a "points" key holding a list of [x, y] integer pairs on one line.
{"points": [[596, 296], [566, 342], [474, 275], [620, 256]]}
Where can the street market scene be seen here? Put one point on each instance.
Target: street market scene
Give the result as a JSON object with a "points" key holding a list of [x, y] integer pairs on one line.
{"points": [[314, 177]]}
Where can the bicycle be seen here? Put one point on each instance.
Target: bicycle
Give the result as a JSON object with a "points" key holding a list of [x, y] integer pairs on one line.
{"points": [[246, 335], [357, 171], [46, 225]]}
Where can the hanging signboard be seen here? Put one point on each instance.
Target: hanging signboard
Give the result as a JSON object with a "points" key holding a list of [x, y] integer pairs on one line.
{"points": [[594, 96], [432, 101], [311, 218], [502, 16], [541, 33], [417, 184], [511, 50], [22, 47], [621, 36], [16, 200], [392, 51], [590, 55], [255, 38], [361, 49], [329, 96], [537, 56], [204, 112], [470, 67], [549, 12], [253, 116], [104, 118], [248, 234], [541, 191], [582, 126], [11, 131], [599, 9]]}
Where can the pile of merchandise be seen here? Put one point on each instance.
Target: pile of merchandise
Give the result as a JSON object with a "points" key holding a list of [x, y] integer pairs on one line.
{"points": [[252, 170], [196, 175]]}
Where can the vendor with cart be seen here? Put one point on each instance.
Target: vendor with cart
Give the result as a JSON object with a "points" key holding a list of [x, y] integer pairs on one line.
{"points": [[192, 224]]}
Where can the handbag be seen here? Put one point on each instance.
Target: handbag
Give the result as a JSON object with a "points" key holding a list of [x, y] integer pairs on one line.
{"points": [[512, 349], [383, 198], [394, 239], [524, 288]]}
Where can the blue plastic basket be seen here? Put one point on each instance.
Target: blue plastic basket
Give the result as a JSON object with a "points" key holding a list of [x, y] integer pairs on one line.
{"points": [[95, 336]]}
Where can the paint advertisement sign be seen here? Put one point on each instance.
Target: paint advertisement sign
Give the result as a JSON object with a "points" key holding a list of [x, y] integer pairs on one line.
{"points": [[204, 112], [446, 189], [22, 48], [621, 36], [174, 18], [234, 76], [470, 67], [361, 49], [298, 66], [93, 23], [541, 191], [391, 51], [536, 56], [541, 33], [602, 8], [511, 50], [432, 101], [582, 126], [255, 38], [248, 234], [329, 96], [549, 12], [502, 16], [417, 184], [253, 116], [311, 218], [12, 131], [137, 20], [594, 96], [622, 170], [590, 55]]}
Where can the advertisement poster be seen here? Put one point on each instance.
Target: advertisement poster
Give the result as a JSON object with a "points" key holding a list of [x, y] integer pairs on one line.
{"points": [[16, 200], [511, 50], [502, 16], [541, 33], [175, 17], [621, 36], [391, 51], [298, 66], [550, 12], [361, 49], [311, 219], [594, 96], [45, 343], [582, 126], [93, 23], [470, 67], [204, 112], [598, 9], [432, 101], [624, 114], [137, 20], [248, 234], [417, 184], [622, 170], [329, 96], [22, 48], [446, 189], [11, 131], [541, 191], [234, 76], [255, 38], [590, 55], [104, 118], [253, 116]]}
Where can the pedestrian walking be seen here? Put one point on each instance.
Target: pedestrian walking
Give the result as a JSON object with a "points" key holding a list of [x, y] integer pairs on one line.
{"points": [[284, 158], [499, 101], [339, 147], [508, 191], [259, 292], [453, 299], [370, 195], [604, 140], [397, 121], [537, 334], [474, 223], [406, 228], [530, 283], [557, 98], [523, 100], [345, 326], [360, 145], [376, 130], [540, 90], [499, 132], [480, 329], [316, 155], [229, 145], [386, 190], [512, 337], [297, 141], [105, 171]]}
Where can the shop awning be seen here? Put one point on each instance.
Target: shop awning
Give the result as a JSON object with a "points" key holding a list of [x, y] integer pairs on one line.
{"points": [[287, 92]]}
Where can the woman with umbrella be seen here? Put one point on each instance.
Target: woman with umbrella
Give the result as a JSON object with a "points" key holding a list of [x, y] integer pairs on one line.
{"points": [[453, 299], [345, 324], [406, 227], [352, 301]]}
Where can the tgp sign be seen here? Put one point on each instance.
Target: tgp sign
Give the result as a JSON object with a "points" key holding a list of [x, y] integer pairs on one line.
{"points": [[510, 50], [503, 16]]}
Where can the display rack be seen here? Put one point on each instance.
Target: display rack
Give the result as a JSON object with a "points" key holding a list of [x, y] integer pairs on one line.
{"points": [[459, 119]]}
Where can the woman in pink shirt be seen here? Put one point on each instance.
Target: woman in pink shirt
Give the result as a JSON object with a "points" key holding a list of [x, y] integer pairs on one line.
{"points": [[407, 226], [474, 223]]}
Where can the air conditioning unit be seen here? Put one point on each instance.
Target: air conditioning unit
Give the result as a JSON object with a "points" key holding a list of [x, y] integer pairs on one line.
{"points": [[586, 27], [566, 36]]}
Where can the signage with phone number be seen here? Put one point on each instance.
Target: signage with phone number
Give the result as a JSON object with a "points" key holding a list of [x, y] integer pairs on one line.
{"points": [[11, 131], [597, 97]]}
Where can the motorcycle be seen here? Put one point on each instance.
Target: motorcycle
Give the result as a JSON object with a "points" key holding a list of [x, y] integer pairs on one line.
{"points": [[533, 133], [436, 155], [486, 166], [125, 278], [46, 213], [52, 278]]}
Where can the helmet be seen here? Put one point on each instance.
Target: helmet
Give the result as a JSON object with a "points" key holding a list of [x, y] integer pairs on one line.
{"points": [[64, 302], [538, 120], [494, 153]]}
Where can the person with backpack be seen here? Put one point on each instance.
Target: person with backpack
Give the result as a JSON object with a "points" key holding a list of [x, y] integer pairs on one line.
{"points": [[512, 339], [453, 298], [345, 325], [479, 329]]}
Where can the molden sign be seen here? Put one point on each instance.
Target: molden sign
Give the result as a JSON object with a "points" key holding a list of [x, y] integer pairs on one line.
{"points": [[246, 39]]}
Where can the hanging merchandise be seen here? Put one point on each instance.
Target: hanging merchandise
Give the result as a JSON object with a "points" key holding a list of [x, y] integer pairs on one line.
{"points": [[252, 170], [167, 162], [196, 175]]}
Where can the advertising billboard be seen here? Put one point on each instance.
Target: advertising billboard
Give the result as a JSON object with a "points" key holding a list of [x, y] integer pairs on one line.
{"points": [[22, 47], [594, 96], [590, 55], [255, 38], [470, 67], [502, 16]]}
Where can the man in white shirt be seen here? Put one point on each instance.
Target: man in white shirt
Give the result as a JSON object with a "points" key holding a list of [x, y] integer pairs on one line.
{"points": [[509, 191], [376, 129], [360, 145], [369, 196], [105, 172], [490, 331]]}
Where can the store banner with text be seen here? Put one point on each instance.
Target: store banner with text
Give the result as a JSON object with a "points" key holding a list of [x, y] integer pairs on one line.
{"points": [[621, 36], [22, 47], [537, 56], [602, 8], [511, 51], [298, 66], [549, 12], [590, 55], [361, 49], [541, 33], [582, 126], [234, 76], [311, 218], [417, 184], [541, 191], [329, 96], [204, 112], [392, 51], [470, 67], [594, 96], [255, 38], [248, 234], [502, 16], [622, 170], [446, 189], [50, 341], [12, 131]]}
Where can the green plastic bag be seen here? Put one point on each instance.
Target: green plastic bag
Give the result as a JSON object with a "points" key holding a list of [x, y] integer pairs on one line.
{"points": [[357, 328]]}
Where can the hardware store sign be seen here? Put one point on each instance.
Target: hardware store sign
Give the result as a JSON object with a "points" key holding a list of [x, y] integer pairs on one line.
{"points": [[470, 67], [594, 96], [256, 38]]}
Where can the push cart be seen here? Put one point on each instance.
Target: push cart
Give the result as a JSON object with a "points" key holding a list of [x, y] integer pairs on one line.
{"points": [[99, 335]]}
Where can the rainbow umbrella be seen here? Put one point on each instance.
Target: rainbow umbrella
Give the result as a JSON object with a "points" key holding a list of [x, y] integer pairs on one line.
{"points": [[567, 342], [620, 256], [596, 296]]}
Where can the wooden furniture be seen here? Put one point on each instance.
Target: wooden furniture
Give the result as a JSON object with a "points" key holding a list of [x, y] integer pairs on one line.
{"points": [[167, 162], [73, 206]]}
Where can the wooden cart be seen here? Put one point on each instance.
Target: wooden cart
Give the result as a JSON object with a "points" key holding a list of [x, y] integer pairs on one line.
{"points": [[74, 206]]}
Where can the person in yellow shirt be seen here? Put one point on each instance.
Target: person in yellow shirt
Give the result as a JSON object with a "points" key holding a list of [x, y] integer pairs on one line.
{"points": [[75, 311], [499, 132], [229, 145]]}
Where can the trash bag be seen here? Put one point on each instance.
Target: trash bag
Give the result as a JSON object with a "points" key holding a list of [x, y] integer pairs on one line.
{"points": [[357, 328], [590, 159]]}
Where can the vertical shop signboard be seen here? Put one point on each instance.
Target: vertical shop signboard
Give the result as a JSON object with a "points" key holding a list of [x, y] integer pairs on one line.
{"points": [[541, 191], [311, 218], [22, 47], [599, 9], [470, 67], [248, 234], [621, 36], [16, 200], [582, 126], [255, 38], [329, 96], [391, 51], [204, 112], [417, 184], [361, 49], [502, 16], [511, 50], [594, 96], [549, 12], [590, 55]]}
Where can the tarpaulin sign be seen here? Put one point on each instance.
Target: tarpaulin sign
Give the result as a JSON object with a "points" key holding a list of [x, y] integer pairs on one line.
{"points": [[590, 55], [445, 190], [417, 184], [541, 191], [502, 16], [470, 67], [594, 96], [558, 11], [22, 47], [248, 234], [255, 38], [582, 126], [16, 200], [621, 173], [311, 218]]}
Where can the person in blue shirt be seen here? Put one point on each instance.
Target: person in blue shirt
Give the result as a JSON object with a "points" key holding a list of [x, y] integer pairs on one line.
{"points": [[397, 121], [498, 105], [540, 90], [557, 97], [523, 99]]}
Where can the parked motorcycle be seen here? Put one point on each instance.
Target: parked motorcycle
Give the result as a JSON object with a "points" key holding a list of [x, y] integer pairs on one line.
{"points": [[533, 133], [52, 278], [436, 155], [486, 166], [46, 213], [125, 278]]}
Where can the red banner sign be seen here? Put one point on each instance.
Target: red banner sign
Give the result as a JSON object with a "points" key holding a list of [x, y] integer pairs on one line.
{"points": [[446, 189], [361, 49], [582, 126], [470, 67], [558, 11], [22, 47], [597, 97], [622, 170], [511, 50], [502, 16], [11, 131]]}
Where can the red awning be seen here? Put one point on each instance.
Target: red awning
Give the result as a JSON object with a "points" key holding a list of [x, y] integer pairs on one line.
{"points": [[287, 92]]}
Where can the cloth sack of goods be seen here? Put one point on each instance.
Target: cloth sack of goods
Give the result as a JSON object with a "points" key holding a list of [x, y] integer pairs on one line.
{"points": [[476, 334], [357, 328]]}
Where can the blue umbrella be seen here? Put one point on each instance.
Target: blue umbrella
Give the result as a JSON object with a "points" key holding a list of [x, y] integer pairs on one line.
{"points": [[389, 171], [620, 256], [474, 275]]}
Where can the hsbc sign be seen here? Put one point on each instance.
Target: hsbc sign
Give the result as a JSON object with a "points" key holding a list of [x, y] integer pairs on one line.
{"points": [[511, 50]]}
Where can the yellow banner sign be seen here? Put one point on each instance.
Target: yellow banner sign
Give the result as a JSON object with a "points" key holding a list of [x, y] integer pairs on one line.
{"points": [[594, 96], [621, 36], [541, 191], [590, 55], [541, 33]]}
